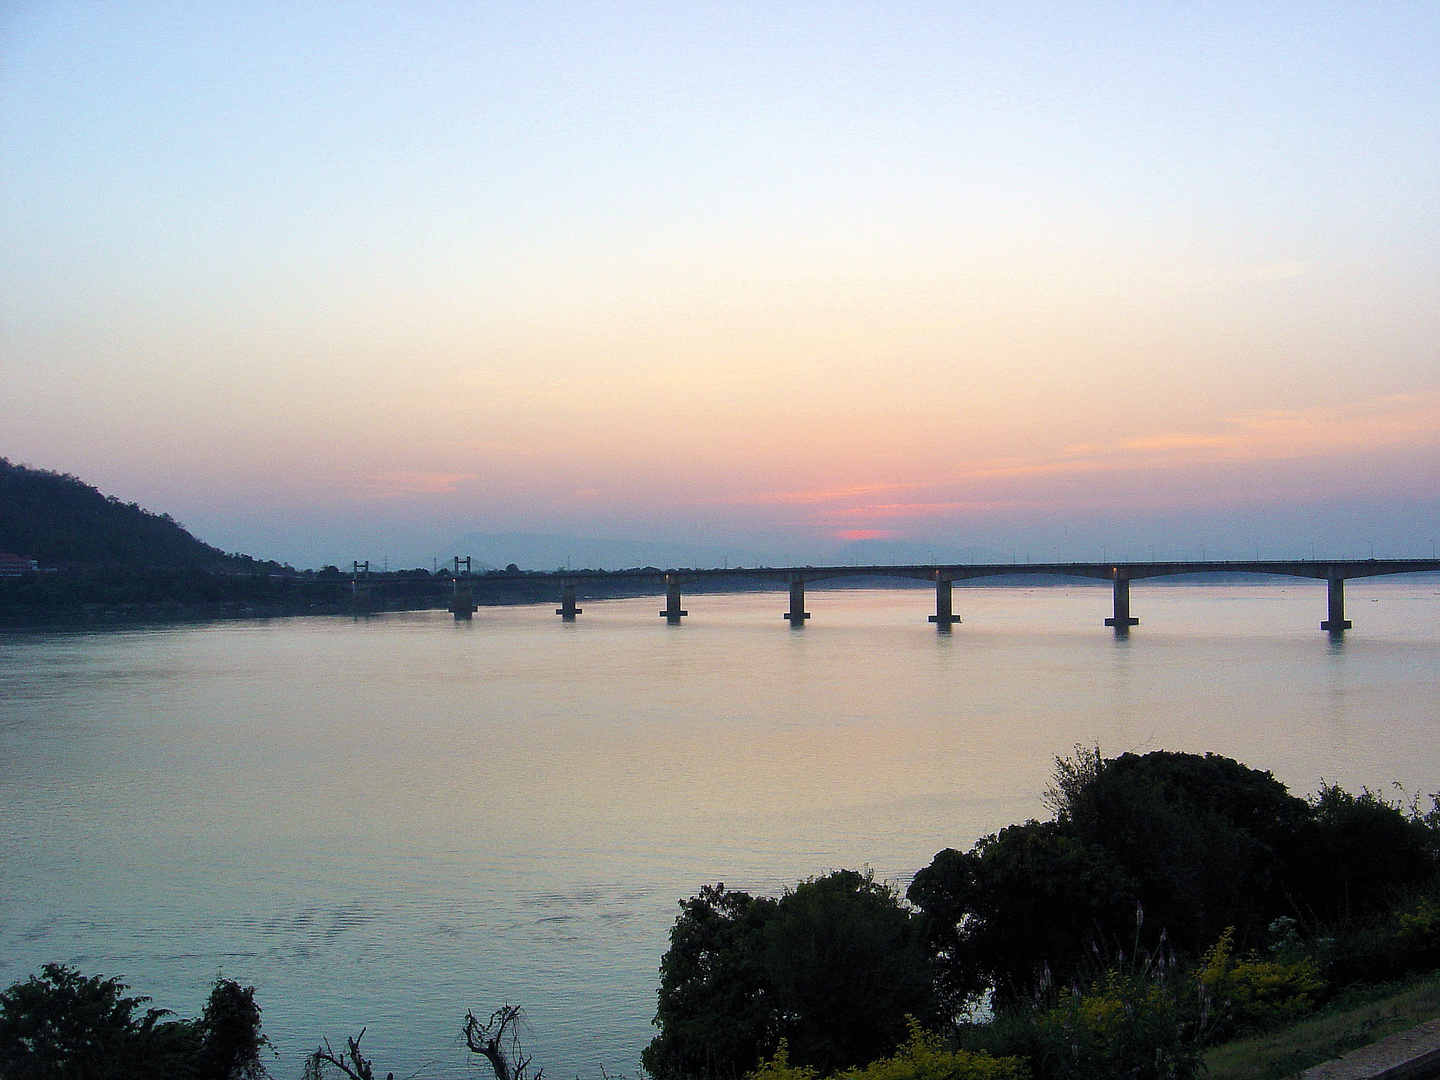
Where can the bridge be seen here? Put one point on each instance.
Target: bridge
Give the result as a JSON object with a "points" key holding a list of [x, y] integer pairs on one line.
{"points": [[1333, 572]]}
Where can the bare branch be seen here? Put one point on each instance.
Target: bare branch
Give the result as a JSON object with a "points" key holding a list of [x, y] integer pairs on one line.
{"points": [[498, 1042], [352, 1063]]}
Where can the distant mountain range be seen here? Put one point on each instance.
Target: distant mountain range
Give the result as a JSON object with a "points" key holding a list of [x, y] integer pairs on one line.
{"points": [[59, 520]]}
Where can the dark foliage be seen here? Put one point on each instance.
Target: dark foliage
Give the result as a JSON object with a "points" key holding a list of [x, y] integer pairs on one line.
{"points": [[1029, 896], [1201, 838], [834, 967], [1356, 855], [1201, 843], [231, 1042], [714, 1014], [62, 521], [62, 1025], [847, 965]]}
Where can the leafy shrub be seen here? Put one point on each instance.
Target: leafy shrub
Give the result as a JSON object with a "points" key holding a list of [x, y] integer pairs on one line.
{"points": [[62, 1025], [1194, 838], [1418, 929], [1252, 993], [1400, 942], [1358, 855], [1135, 1023], [923, 1057], [834, 967], [1205, 843], [230, 1038]]}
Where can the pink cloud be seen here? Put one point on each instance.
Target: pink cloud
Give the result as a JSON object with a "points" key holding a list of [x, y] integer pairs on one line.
{"points": [[1321, 439]]}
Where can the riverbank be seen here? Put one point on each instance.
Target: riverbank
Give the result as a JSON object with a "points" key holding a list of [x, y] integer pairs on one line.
{"points": [[1358, 1017], [88, 598], [114, 597]]}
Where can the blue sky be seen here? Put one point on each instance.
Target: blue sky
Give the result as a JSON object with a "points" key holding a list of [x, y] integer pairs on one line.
{"points": [[320, 277]]}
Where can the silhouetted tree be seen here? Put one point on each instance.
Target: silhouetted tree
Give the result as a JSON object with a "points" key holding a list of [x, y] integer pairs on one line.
{"points": [[231, 1039], [1202, 842], [846, 963], [1026, 897], [1356, 854], [715, 1015], [498, 1042], [62, 1025], [833, 967]]}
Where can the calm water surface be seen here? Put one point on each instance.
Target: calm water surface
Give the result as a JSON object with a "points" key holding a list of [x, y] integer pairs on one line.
{"points": [[387, 821]]}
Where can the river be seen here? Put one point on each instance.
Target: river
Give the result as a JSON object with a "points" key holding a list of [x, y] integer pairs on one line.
{"points": [[386, 821]]}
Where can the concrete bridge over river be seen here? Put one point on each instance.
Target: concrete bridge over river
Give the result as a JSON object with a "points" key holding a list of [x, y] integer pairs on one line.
{"points": [[567, 584]]}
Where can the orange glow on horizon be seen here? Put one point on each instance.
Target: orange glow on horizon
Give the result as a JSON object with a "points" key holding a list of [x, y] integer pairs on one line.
{"points": [[1403, 424]]}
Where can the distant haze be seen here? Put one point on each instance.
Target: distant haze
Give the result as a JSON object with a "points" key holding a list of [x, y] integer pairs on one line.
{"points": [[745, 282], [532, 552]]}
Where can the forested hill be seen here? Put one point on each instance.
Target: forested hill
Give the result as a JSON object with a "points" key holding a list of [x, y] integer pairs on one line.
{"points": [[60, 520]]}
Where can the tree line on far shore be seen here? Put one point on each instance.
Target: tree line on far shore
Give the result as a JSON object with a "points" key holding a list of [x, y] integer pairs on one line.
{"points": [[1168, 902]]}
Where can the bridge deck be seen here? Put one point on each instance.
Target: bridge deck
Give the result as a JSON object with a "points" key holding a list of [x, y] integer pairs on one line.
{"points": [[1332, 571], [1323, 569]]}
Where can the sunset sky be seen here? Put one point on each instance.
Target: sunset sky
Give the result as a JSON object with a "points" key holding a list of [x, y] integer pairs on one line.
{"points": [[334, 280]]}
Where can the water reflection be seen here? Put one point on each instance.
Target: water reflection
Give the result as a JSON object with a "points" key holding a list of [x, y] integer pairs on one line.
{"points": [[390, 819]]}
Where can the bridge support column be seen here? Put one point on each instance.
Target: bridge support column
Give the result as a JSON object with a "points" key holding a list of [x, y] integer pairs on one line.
{"points": [[462, 604], [1122, 620], [944, 616], [797, 613], [567, 609], [672, 611], [1337, 621]]}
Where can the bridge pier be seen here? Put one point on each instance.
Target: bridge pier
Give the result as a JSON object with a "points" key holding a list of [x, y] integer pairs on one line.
{"points": [[567, 609], [1121, 620], [1337, 622], [944, 616], [672, 611], [797, 613], [462, 604]]}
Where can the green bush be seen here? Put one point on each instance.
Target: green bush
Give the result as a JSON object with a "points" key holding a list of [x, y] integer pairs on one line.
{"points": [[1204, 843], [922, 1057], [1402, 941], [1358, 856], [1137, 1023], [1418, 930], [833, 967], [62, 1025], [1250, 993]]}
